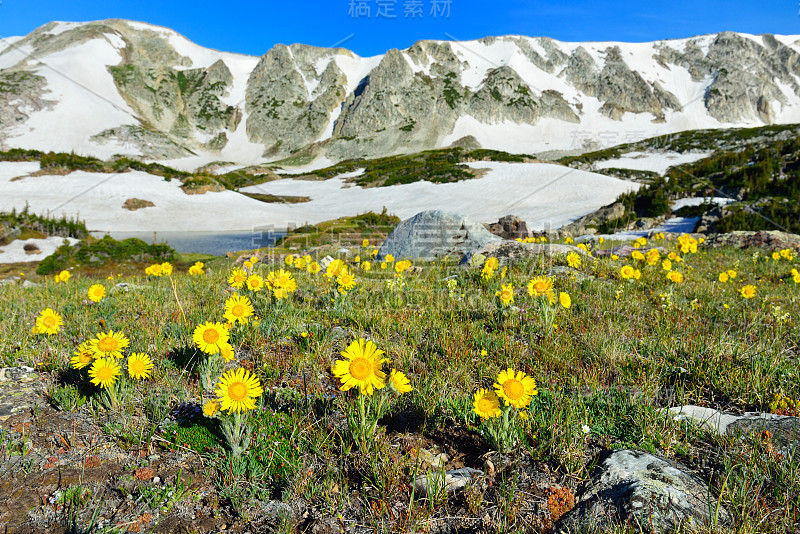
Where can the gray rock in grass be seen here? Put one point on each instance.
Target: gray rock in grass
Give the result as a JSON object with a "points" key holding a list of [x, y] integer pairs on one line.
{"points": [[651, 494]]}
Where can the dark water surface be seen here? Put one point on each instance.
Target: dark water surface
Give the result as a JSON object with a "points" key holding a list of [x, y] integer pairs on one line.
{"points": [[216, 243]]}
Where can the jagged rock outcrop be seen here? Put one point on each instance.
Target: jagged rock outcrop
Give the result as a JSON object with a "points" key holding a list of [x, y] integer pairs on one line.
{"points": [[21, 94], [289, 103], [743, 73]]}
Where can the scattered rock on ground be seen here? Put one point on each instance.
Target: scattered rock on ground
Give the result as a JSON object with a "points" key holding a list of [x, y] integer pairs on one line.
{"points": [[636, 488], [434, 234], [30, 249], [588, 223], [514, 250], [18, 390], [324, 262], [429, 459], [27, 283], [785, 429], [454, 480], [769, 239], [509, 227], [134, 204]]}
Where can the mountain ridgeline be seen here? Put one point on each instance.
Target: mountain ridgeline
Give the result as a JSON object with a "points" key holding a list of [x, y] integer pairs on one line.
{"points": [[154, 95]]}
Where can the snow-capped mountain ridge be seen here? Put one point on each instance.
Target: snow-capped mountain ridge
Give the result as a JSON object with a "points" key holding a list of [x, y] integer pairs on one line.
{"points": [[118, 87]]}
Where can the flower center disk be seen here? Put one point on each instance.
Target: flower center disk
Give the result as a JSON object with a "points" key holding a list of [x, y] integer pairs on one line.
{"points": [[360, 368], [237, 391], [104, 373], [107, 344], [210, 336], [514, 389]]}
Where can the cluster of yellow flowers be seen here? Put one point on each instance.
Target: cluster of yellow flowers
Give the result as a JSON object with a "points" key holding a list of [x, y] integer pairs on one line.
{"points": [[281, 283], [339, 271], [688, 244], [783, 405], [197, 269], [63, 276], [402, 266], [362, 367], [726, 276], [102, 352], [515, 389], [627, 272], [541, 239], [785, 254], [236, 390], [159, 269], [796, 276], [302, 263]]}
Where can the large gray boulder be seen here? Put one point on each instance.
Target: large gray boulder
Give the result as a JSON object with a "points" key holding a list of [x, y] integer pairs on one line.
{"points": [[434, 234], [649, 493]]}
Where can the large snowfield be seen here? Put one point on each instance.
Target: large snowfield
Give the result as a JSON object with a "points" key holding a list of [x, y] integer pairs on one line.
{"points": [[544, 195]]}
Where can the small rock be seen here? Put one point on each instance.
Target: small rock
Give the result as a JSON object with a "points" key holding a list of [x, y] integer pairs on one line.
{"points": [[343, 251], [339, 332], [434, 461], [28, 284], [768, 239], [22, 373], [509, 227], [156, 480], [276, 509], [324, 262], [785, 429], [454, 480]]}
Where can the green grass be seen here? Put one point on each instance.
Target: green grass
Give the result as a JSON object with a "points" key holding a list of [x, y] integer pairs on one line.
{"points": [[624, 350], [437, 166]]}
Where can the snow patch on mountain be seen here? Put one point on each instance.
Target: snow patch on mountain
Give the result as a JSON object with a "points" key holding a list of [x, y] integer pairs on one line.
{"points": [[651, 161], [86, 101]]}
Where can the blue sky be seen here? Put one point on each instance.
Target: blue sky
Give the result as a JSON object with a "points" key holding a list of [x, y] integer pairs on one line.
{"points": [[368, 28]]}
